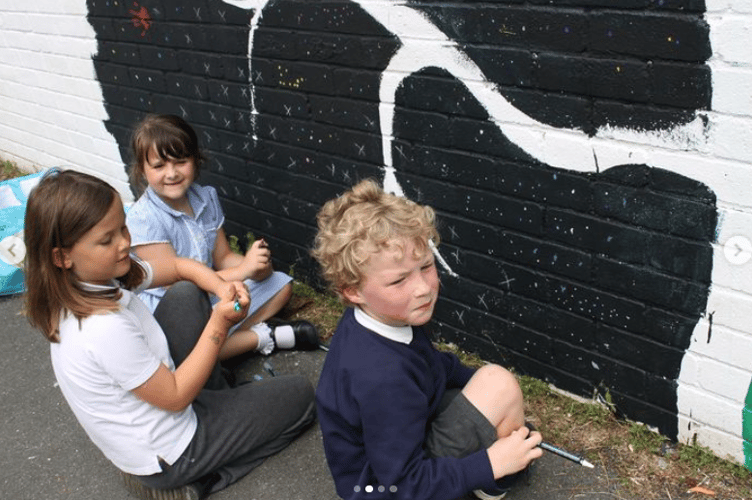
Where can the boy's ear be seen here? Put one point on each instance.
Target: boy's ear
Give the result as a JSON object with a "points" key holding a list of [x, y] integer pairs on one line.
{"points": [[352, 295], [60, 258]]}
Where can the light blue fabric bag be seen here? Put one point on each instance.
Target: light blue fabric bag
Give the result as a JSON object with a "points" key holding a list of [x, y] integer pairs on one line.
{"points": [[13, 196]]}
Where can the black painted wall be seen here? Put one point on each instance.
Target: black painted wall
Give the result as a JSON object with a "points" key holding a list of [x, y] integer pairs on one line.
{"points": [[591, 281]]}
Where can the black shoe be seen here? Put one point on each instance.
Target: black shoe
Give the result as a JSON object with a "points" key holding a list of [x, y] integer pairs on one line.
{"points": [[194, 491], [306, 334]]}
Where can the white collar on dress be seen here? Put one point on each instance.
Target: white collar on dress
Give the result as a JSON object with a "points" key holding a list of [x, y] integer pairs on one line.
{"points": [[402, 334]]}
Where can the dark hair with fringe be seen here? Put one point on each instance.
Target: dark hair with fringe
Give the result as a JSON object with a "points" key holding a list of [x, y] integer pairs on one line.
{"points": [[171, 137]]}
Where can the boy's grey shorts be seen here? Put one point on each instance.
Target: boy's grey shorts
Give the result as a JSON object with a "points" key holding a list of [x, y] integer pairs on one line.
{"points": [[459, 428]]}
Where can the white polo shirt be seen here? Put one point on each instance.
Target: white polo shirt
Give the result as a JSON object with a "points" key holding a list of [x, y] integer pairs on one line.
{"points": [[98, 362]]}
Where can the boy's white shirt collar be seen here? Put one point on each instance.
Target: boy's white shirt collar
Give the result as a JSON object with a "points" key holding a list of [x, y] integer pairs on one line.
{"points": [[402, 334]]}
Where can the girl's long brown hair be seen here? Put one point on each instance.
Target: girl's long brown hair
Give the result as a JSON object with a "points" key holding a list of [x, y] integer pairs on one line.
{"points": [[63, 207]]}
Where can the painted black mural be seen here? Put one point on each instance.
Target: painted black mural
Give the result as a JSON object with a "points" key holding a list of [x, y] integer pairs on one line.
{"points": [[592, 280]]}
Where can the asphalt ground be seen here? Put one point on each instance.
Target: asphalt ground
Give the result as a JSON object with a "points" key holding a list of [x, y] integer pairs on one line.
{"points": [[47, 456]]}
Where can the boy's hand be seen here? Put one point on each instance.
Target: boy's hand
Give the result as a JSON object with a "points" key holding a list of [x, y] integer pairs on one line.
{"points": [[514, 452], [233, 304]]}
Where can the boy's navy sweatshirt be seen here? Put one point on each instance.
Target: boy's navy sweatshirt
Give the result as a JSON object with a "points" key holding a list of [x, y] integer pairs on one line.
{"points": [[375, 399]]}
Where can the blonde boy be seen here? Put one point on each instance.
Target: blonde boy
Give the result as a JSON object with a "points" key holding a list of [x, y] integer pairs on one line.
{"points": [[401, 420]]}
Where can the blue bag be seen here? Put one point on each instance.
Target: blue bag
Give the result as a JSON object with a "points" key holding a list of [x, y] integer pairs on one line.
{"points": [[13, 196]]}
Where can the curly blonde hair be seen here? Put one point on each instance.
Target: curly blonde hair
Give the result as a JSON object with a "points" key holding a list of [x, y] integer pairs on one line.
{"points": [[363, 221]]}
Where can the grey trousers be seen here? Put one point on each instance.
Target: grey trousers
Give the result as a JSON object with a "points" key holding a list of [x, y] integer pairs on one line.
{"points": [[238, 427]]}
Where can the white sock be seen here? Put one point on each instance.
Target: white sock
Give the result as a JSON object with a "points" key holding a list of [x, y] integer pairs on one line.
{"points": [[265, 342], [285, 337]]}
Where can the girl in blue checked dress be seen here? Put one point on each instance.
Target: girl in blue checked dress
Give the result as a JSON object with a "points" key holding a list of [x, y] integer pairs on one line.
{"points": [[177, 216]]}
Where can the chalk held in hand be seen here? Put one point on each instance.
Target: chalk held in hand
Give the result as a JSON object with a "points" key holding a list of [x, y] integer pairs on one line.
{"points": [[569, 456]]}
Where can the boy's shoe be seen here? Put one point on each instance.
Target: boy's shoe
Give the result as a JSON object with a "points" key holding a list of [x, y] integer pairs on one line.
{"points": [[487, 496], [506, 483], [306, 334], [194, 491]]}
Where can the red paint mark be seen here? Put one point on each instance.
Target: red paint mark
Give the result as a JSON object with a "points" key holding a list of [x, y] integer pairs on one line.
{"points": [[141, 18]]}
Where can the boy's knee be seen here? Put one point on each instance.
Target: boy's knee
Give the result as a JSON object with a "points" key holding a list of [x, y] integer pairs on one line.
{"points": [[500, 380]]}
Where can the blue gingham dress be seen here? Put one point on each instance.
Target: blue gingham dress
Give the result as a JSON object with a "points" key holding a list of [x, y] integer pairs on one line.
{"points": [[150, 220]]}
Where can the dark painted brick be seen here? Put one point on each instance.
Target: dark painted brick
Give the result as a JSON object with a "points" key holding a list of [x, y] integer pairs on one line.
{"points": [[301, 77], [276, 44], [429, 93], [506, 277], [676, 37], [683, 85], [669, 328], [201, 64], [638, 351], [115, 74], [628, 175], [229, 14], [533, 28], [542, 255], [121, 53], [576, 360], [357, 84], [639, 410], [656, 211], [194, 12], [541, 317], [648, 286], [671, 182], [679, 257], [620, 4], [324, 16], [504, 65], [426, 128], [555, 108], [103, 27], [595, 304], [484, 137], [97, 8], [649, 117], [347, 113], [153, 81], [475, 295], [236, 69], [159, 58], [338, 172], [183, 85], [227, 39], [462, 232], [610, 78], [352, 144], [229, 93], [281, 102], [475, 204]]}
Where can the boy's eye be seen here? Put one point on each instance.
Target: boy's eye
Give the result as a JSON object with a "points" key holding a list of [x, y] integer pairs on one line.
{"points": [[397, 281]]}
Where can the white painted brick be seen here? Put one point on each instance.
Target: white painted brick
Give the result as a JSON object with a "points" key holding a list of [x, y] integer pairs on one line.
{"points": [[709, 409], [718, 347], [724, 444], [61, 6], [722, 379], [732, 90], [731, 37], [731, 137], [741, 6]]}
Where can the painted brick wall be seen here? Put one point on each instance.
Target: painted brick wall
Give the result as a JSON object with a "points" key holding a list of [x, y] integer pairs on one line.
{"points": [[589, 159]]}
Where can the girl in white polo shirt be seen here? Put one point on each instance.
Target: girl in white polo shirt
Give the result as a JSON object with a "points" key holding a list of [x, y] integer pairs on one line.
{"points": [[147, 389]]}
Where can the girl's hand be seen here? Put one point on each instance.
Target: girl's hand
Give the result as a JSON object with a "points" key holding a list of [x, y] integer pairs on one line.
{"points": [[258, 260], [233, 304], [514, 452]]}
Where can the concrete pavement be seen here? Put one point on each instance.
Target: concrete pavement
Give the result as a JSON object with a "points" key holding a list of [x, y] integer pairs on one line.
{"points": [[47, 456]]}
